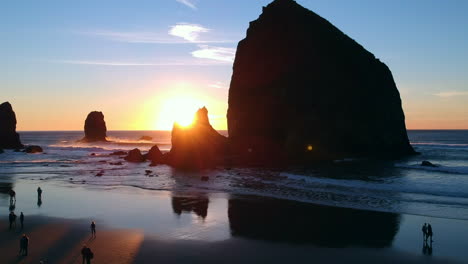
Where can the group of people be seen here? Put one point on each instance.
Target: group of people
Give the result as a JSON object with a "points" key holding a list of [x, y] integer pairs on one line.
{"points": [[86, 252], [427, 232], [12, 218]]}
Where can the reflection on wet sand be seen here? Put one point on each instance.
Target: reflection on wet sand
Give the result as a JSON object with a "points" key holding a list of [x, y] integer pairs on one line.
{"points": [[197, 205], [286, 221]]}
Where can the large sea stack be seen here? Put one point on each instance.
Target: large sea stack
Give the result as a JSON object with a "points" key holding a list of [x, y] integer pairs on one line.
{"points": [[302, 89], [95, 127], [9, 139], [197, 146]]}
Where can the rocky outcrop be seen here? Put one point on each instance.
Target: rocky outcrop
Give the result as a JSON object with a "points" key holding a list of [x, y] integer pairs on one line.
{"points": [[135, 155], [302, 89], [197, 146], [426, 163], [33, 149], [154, 155], [9, 139], [95, 127]]}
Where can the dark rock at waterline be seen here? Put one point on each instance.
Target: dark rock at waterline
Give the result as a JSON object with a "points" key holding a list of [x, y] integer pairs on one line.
{"points": [[303, 90], [426, 163], [146, 138], [204, 178], [33, 149], [95, 127], [9, 139], [1, 151], [135, 155], [116, 163], [154, 155], [118, 153], [197, 146]]}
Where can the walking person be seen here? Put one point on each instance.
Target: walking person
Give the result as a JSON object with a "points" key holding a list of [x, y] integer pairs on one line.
{"points": [[24, 243], [429, 232], [22, 220], [39, 193], [93, 229], [424, 230], [87, 254], [12, 219]]}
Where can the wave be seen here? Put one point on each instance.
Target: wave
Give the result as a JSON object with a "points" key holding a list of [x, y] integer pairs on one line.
{"points": [[439, 168], [392, 186]]}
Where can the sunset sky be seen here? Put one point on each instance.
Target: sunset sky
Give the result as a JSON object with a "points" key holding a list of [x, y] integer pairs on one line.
{"points": [[141, 61]]}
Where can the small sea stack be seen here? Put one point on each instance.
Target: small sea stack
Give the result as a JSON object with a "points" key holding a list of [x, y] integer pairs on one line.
{"points": [[9, 139], [95, 127], [197, 146], [303, 90]]}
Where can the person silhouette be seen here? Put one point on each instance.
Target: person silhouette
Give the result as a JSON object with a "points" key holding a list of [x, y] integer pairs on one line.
{"points": [[424, 230], [39, 202], [12, 219], [429, 232], [22, 220], [24, 243], [87, 254], [39, 193], [93, 229]]}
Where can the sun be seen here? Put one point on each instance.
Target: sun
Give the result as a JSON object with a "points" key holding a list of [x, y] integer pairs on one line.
{"points": [[177, 109]]}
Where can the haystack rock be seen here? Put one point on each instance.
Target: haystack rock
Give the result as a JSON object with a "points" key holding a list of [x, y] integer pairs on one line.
{"points": [[9, 139], [197, 146], [95, 127], [302, 89]]}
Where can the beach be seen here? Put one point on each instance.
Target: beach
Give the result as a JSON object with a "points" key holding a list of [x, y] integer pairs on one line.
{"points": [[144, 226], [358, 211]]}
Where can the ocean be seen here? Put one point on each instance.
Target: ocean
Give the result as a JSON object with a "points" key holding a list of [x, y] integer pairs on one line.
{"points": [[401, 186]]}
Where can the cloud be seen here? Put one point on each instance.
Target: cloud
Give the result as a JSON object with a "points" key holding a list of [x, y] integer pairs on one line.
{"points": [[451, 94], [189, 32], [219, 85], [215, 53], [188, 3], [136, 37], [123, 63]]}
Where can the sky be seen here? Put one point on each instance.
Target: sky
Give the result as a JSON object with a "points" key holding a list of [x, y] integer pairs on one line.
{"points": [[145, 63]]}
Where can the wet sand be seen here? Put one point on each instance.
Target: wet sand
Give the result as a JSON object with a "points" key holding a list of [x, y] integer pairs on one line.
{"points": [[140, 226], [57, 240]]}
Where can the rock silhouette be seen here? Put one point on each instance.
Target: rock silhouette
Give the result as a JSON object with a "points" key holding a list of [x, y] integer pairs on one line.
{"points": [[95, 127], [303, 90], [197, 146], [154, 155], [135, 155], [426, 163], [9, 139], [33, 149]]}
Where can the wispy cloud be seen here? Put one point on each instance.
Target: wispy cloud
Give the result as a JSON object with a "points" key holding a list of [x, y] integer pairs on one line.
{"points": [[189, 32], [188, 3], [181, 33], [219, 85], [451, 94], [136, 37], [215, 53], [133, 63]]}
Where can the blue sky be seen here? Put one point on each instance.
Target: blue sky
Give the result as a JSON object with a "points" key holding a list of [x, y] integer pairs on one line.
{"points": [[62, 59]]}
